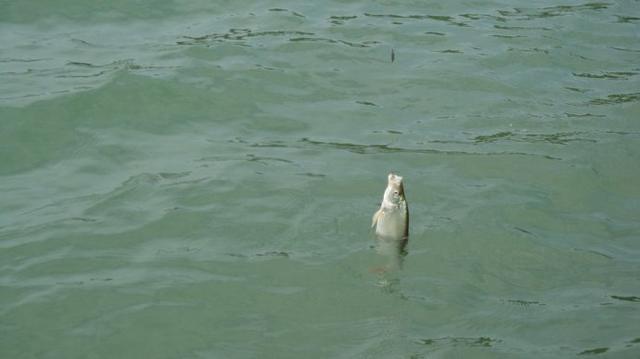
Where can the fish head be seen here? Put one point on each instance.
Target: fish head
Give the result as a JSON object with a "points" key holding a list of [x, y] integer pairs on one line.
{"points": [[394, 194]]}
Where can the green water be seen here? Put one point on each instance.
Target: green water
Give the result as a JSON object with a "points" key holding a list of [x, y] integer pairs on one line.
{"points": [[197, 179]]}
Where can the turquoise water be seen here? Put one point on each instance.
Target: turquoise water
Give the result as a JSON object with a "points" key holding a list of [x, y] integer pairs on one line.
{"points": [[197, 179]]}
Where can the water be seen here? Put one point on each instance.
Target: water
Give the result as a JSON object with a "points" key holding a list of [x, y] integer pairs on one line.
{"points": [[197, 179]]}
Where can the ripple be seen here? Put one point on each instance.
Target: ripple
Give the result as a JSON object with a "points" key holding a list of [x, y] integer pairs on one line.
{"points": [[483, 16], [262, 159], [313, 175], [625, 49], [569, 114], [508, 36], [552, 11], [174, 175], [631, 298], [286, 10], [379, 148], [525, 303], [594, 351], [343, 17], [627, 19], [616, 99], [71, 77], [575, 89], [504, 27], [82, 42], [7, 60], [340, 20], [239, 34], [462, 341], [448, 19], [613, 75], [333, 41], [273, 254], [561, 138]]}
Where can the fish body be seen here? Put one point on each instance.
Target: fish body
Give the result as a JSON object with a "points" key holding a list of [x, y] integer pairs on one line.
{"points": [[391, 221]]}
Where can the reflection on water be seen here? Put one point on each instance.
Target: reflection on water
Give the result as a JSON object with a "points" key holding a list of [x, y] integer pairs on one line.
{"points": [[392, 253]]}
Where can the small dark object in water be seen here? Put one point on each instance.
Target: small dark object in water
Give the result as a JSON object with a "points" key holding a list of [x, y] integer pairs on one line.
{"points": [[393, 56]]}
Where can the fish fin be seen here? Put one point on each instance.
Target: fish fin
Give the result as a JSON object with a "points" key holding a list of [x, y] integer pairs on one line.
{"points": [[376, 216]]}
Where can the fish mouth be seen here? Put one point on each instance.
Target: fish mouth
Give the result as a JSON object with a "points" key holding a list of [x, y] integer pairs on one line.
{"points": [[394, 178], [395, 190]]}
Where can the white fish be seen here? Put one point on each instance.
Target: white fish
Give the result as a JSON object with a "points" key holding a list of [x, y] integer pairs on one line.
{"points": [[391, 221]]}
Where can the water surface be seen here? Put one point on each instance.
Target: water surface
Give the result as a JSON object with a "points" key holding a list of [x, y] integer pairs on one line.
{"points": [[196, 179]]}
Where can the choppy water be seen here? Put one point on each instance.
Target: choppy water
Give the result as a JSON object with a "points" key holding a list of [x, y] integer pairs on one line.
{"points": [[194, 179]]}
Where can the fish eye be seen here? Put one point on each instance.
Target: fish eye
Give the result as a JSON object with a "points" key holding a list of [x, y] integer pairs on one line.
{"points": [[396, 192]]}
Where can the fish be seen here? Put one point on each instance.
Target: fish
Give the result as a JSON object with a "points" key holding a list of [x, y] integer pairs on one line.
{"points": [[391, 221]]}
